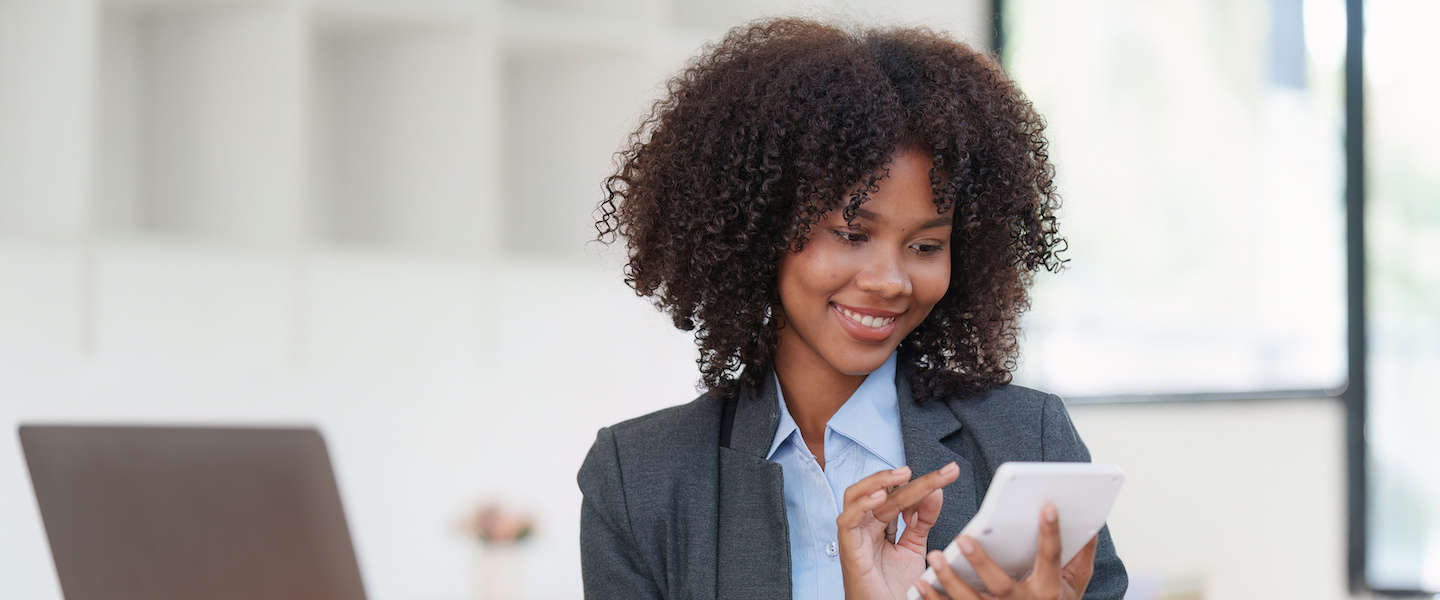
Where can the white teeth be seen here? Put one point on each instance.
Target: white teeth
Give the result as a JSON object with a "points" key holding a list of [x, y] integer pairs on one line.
{"points": [[867, 320]]}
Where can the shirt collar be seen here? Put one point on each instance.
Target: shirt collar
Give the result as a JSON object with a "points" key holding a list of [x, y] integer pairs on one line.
{"points": [[787, 426], [870, 417]]}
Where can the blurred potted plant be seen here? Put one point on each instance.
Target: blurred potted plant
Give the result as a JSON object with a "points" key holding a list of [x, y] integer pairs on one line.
{"points": [[500, 530]]}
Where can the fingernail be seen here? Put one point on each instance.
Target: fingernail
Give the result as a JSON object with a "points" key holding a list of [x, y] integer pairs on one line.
{"points": [[900, 471], [950, 469], [967, 546], [877, 494], [935, 558], [1049, 513]]}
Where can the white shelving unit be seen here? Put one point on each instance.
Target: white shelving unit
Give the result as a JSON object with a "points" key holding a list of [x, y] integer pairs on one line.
{"points": [[376, 122], [46, 90], [201, 114], [555, 105], [280, 134], [403, 127]]}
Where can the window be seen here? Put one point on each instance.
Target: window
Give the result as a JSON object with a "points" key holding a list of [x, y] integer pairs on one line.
{"points": [[1199, 149]]}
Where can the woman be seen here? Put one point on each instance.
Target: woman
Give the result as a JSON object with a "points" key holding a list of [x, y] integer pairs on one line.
{"points": [[849, 222]]}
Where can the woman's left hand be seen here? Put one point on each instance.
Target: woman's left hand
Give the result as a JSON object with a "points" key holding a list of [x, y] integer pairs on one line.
{"points": [[1047, 580], [872, 565]]}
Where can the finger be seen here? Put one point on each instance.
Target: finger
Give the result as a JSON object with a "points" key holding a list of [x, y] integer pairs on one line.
{"points": [[857, 513], [995, 578], [1078, 571], [879, 480], [955, 587], [927, 592], [1046, 576], [907, 495], [920, 520], [911, 493]]}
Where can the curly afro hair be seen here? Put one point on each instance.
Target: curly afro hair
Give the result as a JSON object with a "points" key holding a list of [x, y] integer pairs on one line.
{"points": [[784, 120]]}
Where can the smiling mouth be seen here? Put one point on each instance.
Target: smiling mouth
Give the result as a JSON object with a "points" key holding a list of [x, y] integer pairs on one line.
{"points": [[865, 320]]}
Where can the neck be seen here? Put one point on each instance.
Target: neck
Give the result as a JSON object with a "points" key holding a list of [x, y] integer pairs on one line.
{"points": [[813, 394]]}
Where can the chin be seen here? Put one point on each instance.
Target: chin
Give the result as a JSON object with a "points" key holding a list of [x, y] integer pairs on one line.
{"points": [[863, 360]]}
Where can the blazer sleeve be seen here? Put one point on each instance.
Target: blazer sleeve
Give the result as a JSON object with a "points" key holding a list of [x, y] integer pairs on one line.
{"points": [[610, 564], [1061, 443]]}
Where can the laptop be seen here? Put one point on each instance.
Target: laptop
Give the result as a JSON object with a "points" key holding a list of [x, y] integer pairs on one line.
{"points": [[172, 513]]}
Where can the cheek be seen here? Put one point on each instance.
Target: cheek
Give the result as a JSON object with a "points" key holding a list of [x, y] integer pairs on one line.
{"points": [[931, 283], [795, 287], [811, 275]]}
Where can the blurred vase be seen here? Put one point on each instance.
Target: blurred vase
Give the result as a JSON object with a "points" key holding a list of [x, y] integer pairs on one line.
{"points": [[497, 572]]}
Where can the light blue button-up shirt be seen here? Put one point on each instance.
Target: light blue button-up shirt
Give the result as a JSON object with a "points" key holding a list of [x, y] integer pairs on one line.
{"points": [[862, 438]]}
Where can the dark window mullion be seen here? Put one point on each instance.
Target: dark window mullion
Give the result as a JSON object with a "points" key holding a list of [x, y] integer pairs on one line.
{"points": [[1355, 391]]}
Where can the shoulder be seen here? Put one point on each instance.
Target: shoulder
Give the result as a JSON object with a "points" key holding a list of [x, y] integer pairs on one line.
{"points": [[1011, 409], [1021, 422], [643, 480], [656, 451], [673, 420], [1004, 403], [677, 429]]}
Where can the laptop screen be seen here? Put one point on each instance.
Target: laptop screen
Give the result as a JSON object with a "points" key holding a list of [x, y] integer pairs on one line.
{"points": [[171, 513]]}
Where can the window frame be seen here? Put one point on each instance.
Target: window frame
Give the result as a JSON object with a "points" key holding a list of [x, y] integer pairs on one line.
{"points": [[1353, 393]]}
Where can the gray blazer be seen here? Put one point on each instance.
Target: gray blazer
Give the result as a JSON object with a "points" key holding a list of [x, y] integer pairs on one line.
{"points": [[668, 513]]}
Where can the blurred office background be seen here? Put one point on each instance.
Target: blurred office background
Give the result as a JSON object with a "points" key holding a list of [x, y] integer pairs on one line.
{"points": [[374, 216]]}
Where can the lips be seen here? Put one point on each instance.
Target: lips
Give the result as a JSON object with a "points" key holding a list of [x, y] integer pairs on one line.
{"points": [[866, 325]]}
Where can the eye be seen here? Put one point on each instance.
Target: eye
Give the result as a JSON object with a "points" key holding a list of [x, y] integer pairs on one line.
{"points": [[928, 249], [849, 238]]}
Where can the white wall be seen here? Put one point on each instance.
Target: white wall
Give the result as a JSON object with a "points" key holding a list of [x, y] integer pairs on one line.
{"points": [[1234, 500]]}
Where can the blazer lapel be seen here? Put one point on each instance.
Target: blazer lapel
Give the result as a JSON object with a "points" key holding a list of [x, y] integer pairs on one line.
{"points": [[923, 426], [753, 543]]}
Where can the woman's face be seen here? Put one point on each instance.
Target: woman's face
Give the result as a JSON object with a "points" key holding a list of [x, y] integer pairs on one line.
{"points": [[856, 290]]}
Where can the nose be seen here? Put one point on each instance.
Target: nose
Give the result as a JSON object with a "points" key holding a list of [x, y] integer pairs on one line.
{"points": [[886, 276]]}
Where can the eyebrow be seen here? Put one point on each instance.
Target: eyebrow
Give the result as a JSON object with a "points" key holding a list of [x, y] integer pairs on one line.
{"points": [[939, 221]]}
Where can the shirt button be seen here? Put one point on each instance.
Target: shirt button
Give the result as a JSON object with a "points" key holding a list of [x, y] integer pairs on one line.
{"points": [[832, 549]]}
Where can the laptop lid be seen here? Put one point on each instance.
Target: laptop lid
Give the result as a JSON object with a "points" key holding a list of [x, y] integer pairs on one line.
{"points": [[171, 513]]}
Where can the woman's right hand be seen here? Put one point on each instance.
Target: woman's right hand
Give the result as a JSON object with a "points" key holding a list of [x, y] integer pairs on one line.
{"points": [[873, 567]]}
